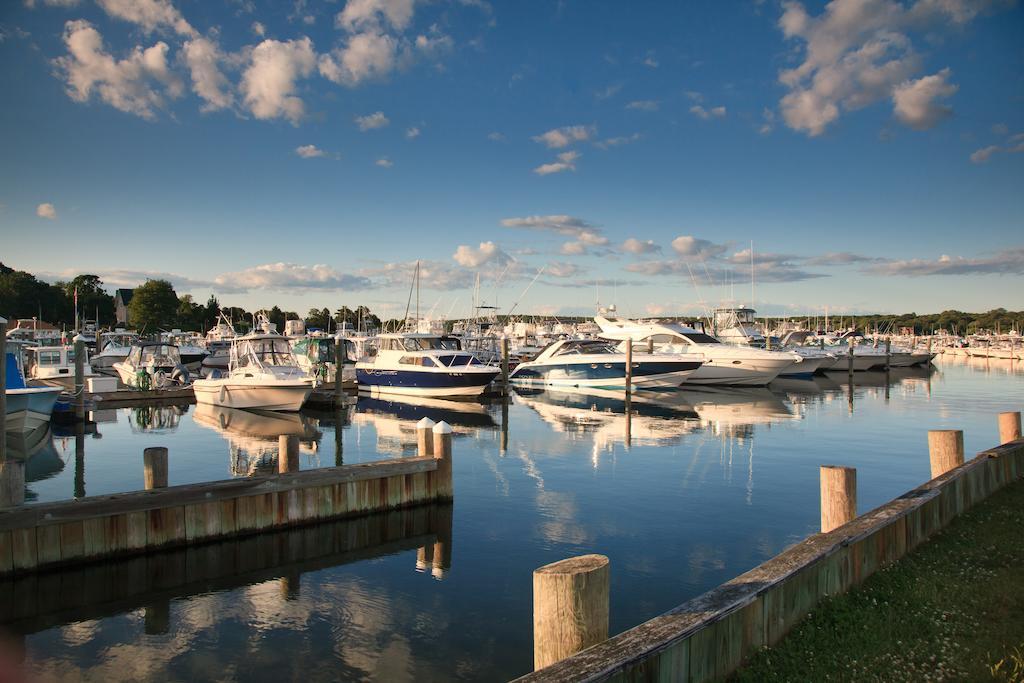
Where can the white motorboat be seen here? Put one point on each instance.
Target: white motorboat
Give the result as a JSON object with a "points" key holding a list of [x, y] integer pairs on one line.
{"points": [[218, 347], [738, 326], [596, 363], [421, 364], [152, 365], [189, 348], [262, 373], [54, 365], [113, 348], [723, 363]]}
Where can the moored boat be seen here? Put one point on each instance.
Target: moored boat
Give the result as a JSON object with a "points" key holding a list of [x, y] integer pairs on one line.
{"points": [[423, 365], [262, 373]]}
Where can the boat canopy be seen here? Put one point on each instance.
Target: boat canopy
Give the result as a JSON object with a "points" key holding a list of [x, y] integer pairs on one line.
{"points": [[262, 351], [419, 342], [153, 353]]}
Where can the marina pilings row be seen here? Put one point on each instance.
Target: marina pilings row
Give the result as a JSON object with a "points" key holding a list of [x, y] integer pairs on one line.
{"points": [[708, 637], [41, 536]]}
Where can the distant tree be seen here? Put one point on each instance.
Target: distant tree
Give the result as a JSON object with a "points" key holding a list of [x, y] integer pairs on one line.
{"points": [[23, 296], [318, 318], [211, 313], [92, 299], [154, 306], [190, 314], [276, 316]]}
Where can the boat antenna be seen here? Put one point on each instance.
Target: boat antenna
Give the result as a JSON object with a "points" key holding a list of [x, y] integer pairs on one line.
{"points": [[417, 294], [539, 272], [408, 301], [751, 273]]}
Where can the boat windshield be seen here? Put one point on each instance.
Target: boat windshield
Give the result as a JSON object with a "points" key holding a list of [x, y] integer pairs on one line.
{"points": [[698, 338], [461, 359], [431, 343], [586, 347], [276, 352], [154, 355]]}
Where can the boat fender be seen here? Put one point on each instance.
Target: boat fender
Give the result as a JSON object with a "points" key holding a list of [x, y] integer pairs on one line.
{"points": [[223, 394]]}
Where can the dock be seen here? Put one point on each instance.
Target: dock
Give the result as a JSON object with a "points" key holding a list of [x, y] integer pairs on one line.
{"points": [[69, 533]]}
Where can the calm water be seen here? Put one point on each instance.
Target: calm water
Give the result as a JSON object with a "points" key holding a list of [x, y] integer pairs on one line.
{"points": [[697, 487]]}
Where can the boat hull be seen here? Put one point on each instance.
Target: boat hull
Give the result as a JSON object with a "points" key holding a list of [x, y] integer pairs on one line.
{"points": [[807, 367], [746, 373], [424, 383], [234, 393], [29, 409]]}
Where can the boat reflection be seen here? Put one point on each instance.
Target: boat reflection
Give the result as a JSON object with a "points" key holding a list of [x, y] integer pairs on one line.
{"points": [[394, 418], [252, 435], [156, 419], [650, 417], [734, 411], [31, 457]]}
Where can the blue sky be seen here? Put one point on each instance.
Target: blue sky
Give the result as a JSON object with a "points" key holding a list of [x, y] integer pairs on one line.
{"points": [[308, 153]]}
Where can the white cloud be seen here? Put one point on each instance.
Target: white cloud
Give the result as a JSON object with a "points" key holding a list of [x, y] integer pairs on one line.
{"points": [[566, 162], [643, 105], [433, 275], [365, 56], [496, 137], [915, 101], [412, 132], [558, 223], [635, 246], [702, 113], [984, 154], [291, 276], [47, 210], [149, 14], [203, 58], [608, 143], [558, 138], [561, 269], [610, 91], [258, 29], [359, 15], [767, 121], [573, 249], [127, 84], [268, 83], [650, 61], [310, 151], [384, 162], [488, 252], [857, 52], [1007, 262], [688, 245], [372, 121]]}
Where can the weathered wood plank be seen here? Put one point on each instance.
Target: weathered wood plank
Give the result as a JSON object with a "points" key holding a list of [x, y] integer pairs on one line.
{"points": [[23, 547], [6, 552], [48, 544]]}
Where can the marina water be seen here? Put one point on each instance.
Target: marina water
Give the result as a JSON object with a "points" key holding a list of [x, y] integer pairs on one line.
{"points": [[695, 488]]}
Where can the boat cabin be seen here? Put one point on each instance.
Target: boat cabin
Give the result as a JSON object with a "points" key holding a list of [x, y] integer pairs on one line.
{"points": [[153, 354], [425, 350], [47, 362], [262, 351]]}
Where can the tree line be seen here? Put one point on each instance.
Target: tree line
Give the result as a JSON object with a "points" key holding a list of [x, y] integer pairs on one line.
{"points": [[154, 306]]}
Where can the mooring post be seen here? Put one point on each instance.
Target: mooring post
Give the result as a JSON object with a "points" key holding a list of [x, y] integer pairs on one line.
{"points": [[650, 344], [12, 482], [504, 364], [79, 377], [287, 453], [424, 437], [821, 343], [339, 369], [443, 454], [945, 450], [838, 496], [629, 366], [570, 607], [339, 436], [3, 388], [79, 491], [154, 462], [888, 353], [1009, 427], [849, 355], [503, 443]]}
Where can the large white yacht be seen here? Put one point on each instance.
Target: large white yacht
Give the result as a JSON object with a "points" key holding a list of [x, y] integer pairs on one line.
{"points": [[262, 373], [723, 363], [423, 365]]}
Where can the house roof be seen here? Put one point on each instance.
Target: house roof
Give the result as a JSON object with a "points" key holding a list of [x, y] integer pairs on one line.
{"points": [[125, 295]]}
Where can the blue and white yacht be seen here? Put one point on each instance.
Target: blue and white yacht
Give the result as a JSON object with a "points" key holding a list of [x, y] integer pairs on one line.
{"points": [[596, 363], [28, 408], [420, 364]]}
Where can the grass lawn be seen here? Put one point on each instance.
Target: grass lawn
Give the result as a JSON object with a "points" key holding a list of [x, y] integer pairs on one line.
{"points": [[952, 610]]}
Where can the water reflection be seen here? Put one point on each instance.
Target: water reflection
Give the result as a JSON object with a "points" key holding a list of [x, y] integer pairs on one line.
{"points": [[252, 435], [157, 418], [394, 419]]}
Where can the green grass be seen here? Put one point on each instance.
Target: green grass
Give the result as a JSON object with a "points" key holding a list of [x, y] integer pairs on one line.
{"points": [[953, 610]]}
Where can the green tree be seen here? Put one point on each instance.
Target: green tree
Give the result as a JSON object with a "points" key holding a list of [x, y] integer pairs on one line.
{"points": [[210, 313], [154, 306], [23, 296], [92, 299]]}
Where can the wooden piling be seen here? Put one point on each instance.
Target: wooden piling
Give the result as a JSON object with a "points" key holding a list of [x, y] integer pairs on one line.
{"points": [[441, 554], [849, 355], [154, 461], [287, 453], [945, 450], [650, 344], [12, 482], [888, 353], [629, 366], [838, 496], [424, 438], [339, 369], [570, 607], [504, 363], [3, 389], [1009, 427], [443, 455], [79, 378]]}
